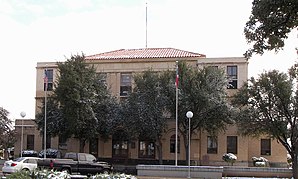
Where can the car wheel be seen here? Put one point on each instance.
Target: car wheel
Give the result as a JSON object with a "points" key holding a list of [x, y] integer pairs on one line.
{"points": [[106, 171], [25, 170], [66, 170]]}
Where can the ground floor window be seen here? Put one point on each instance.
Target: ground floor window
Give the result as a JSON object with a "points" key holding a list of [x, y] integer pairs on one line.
{"points": [[93, 147], [120, 149], [211, 145], [265, 147], [146, 149], [232, 144], [173, 144], [62, 145], [30, 142], [48, 141]]}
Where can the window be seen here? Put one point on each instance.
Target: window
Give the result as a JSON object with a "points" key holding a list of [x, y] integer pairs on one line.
{"points": [[82, 157], [72, 156], [48, 80], [146, 149], [102, 78], [213, 67], [93, 147], [120, 149], [31, 160], [62, 145], [232, 77], [265, 147], [232, 144], [173, 144], [211, 145], [90, 158], [48, 140], [125, 84], [30, 142]]}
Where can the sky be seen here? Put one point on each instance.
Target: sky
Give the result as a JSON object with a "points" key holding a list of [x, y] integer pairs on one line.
{"points": [[52, 30]]}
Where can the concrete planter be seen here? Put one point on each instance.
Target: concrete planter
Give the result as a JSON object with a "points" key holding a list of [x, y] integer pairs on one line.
{"points": [[171, 171], [179, 171]]}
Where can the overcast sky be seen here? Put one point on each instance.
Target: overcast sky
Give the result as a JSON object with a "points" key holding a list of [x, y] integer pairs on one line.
{"points": [[51, 30]]}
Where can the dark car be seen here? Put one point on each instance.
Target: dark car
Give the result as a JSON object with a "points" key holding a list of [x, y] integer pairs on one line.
{"points": [[81, 163]]}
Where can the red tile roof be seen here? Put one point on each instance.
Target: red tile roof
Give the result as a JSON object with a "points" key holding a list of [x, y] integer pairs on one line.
{"points": [[144, 53]]}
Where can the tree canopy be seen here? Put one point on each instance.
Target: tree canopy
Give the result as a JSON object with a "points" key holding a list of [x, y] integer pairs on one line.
{"points": [[146, 105], [268, 106], [7, 133], [80, 105], [202, 91], [269, 24]]}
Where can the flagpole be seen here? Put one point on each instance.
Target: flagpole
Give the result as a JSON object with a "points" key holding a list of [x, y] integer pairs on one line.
{"points": [[146, 24], [176, 143], [45, 113]]}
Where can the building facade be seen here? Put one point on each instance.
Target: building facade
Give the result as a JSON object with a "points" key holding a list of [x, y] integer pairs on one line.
{"points": [[118, 68]]}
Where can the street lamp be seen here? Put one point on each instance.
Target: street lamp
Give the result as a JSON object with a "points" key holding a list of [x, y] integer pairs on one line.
{"points": [[189, 115], [23, 114]]}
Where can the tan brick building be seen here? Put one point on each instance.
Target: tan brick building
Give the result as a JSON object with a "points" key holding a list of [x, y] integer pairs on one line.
{"points": [[118, 67]]}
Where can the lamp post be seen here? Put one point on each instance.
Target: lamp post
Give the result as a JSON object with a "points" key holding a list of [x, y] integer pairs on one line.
{"points": [[23, 114], [189, 115]]}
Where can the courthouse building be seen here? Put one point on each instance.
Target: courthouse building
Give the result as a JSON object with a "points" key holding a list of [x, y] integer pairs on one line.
{"points": [[118, 68]]}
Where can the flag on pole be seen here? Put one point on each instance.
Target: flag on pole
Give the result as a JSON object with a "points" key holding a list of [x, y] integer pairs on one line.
{"points": [[177, 75]]}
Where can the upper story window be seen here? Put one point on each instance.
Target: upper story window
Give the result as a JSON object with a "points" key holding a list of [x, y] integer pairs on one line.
{"points": [[232, 144], [265, 147], [125, 84], [214, 66], [232, 72], [211, 145], [48, 80], [102, 77]]}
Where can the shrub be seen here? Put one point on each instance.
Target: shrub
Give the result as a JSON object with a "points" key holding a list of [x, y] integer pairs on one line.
{"points": [[229, 158], [46, 174], [289, 160], [39, 174], [260, 161], [113, 176]]}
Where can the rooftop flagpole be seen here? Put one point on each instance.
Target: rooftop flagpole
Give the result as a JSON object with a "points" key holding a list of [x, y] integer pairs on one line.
{"points": [[176, 142], [146, 24]]}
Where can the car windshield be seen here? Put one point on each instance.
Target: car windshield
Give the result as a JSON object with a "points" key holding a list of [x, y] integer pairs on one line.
{"points": [[90, 158], [18, 159]]}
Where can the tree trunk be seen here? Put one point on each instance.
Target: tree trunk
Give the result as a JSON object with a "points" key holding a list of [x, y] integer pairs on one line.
{"points": [[82, 145], [185, 137], [294, 163], [159, 150]]}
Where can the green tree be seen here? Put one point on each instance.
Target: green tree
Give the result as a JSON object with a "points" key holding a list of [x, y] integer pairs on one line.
{"points": [[7, 133], [269, 24], [202, 91], [268, 106], [80, 105], [55, 123], [105, 107], [146, 105]]}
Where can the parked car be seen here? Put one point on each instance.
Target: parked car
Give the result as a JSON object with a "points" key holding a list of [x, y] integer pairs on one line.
{"points": [[20, 164], [82, 163], [50, 153], [29, 153]]}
